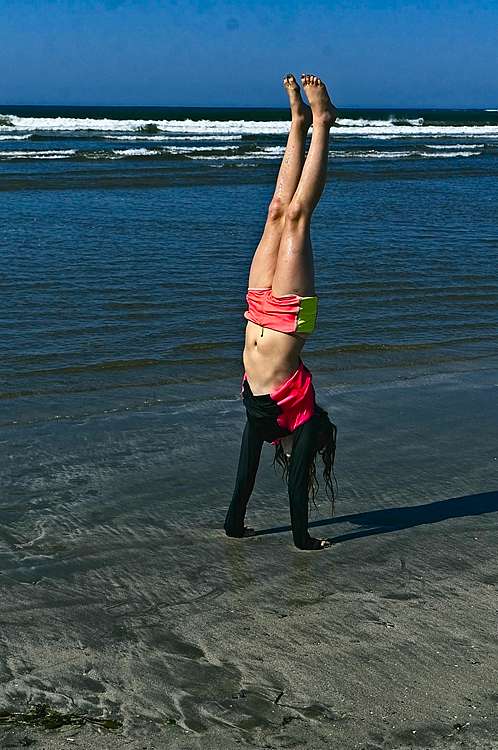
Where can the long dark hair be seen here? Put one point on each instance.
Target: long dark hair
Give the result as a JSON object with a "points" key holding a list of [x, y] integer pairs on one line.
{"points": [[326, 442]]}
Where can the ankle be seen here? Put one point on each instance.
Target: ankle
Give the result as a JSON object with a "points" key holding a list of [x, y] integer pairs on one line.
{"points": [[300, 121], [323, 120]]}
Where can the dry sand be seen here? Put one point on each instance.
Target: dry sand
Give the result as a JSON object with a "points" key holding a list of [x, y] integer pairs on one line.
{"points": [[125, 609]]}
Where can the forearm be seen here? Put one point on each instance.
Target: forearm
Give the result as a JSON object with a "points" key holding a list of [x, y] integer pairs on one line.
{"points": [[299, 502], [299, 470], [250, 452]]}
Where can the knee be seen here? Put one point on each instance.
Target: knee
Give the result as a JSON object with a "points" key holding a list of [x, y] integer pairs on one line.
{"points": [[276, 210], [297, 212]]}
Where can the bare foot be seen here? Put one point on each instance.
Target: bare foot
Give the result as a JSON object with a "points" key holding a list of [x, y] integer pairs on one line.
{"points": [[300, 111], [323, 110]]}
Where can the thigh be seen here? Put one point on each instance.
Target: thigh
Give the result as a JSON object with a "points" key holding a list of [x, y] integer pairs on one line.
{"points": [[294, 271], [265, 257]]}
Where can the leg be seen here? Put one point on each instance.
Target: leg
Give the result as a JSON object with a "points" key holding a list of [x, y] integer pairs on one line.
{"points": [[294, 270], [265, 257]]}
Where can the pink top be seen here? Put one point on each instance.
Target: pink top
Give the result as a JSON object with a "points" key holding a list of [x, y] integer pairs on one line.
{"points": [[296, 399]]}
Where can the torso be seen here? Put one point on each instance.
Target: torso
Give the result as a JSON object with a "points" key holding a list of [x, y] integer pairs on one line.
{"points": [[270, 359]]}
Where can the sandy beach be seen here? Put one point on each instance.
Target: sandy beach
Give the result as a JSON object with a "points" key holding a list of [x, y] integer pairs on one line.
{"points": [[153, 630]]}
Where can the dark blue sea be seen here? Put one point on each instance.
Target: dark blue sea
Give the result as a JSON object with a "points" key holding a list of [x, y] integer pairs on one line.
{"points": [[126, 236]]}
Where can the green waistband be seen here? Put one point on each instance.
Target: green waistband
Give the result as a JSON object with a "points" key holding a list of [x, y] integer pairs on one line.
{"points": [[306, 319]]}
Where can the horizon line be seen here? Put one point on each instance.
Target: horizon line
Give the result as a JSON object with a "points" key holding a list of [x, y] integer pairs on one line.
{"points": [[249, 106]]}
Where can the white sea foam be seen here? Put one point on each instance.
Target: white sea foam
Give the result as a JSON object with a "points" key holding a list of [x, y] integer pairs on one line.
{"points": [[400, 154], [436, 131], [275, 150], [237, 157], [136, 137], [450, 155], [231, 128], [256, 156], [268, 153], [122, 152], [15, 137], [190, 149], [370, 154], [59, 154], [210, 137], [390, 122], [453, 146], [382, 137], [166, 137], [174, 127]]}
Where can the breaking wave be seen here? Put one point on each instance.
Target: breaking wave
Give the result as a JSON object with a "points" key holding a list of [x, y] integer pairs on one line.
{"points": [[189, 128]]}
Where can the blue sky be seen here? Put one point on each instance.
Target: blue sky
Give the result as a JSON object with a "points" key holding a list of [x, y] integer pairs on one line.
{"points": [[210, 52]]}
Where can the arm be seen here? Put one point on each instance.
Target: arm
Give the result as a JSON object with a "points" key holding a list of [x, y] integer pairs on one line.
{"points": [[303, 451], [250, 452]]}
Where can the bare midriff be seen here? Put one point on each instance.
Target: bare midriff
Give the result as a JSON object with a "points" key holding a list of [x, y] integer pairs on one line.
{"points": [[270, 359]]}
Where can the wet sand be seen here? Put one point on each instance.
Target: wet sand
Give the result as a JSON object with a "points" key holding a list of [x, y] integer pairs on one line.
{"points": [[122, 600]]}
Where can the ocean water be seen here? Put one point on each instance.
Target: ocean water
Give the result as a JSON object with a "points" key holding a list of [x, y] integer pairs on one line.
{"points": [[126, 236]]}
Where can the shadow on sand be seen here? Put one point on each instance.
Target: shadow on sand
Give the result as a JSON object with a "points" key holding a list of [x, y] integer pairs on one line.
{"points": [[393, 519]]}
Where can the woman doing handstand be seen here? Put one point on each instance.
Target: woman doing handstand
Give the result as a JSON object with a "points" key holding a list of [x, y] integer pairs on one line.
{"points": [[277, 388]]}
